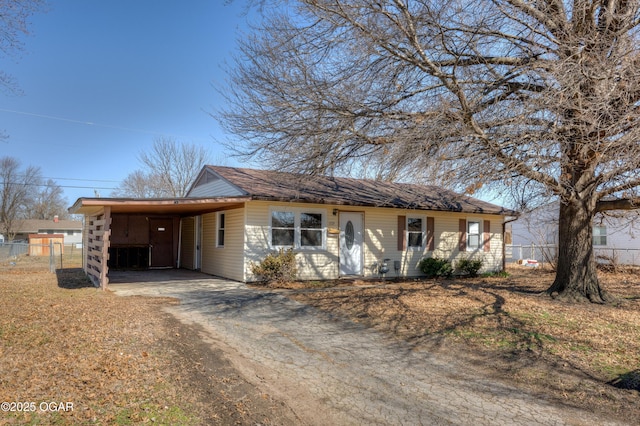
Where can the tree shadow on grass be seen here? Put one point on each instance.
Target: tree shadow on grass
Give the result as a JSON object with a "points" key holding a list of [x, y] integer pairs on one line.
{"points": [[73, 278], [630, 381], [484, 334], [483, 321]]}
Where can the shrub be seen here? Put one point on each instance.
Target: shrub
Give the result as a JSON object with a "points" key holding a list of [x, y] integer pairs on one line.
{"points": [[277, 267], [434, 267], [496, 274], [469, 267]]}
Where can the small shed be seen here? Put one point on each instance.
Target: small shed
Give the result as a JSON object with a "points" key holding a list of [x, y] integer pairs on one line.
{"points": [[41, 244]]}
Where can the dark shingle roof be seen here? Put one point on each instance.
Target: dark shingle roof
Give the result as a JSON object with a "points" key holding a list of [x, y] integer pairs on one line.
{"points": [[35, 225], [282, 186]]}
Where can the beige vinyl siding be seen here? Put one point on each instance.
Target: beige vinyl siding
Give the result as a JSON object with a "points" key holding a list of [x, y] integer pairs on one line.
{"points": [[312, 263], [224, 261], [381, 240], [188, 243], [447, 237]]}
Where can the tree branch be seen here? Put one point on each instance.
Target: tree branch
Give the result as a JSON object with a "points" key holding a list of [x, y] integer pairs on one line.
{"points": [[621, 204]]}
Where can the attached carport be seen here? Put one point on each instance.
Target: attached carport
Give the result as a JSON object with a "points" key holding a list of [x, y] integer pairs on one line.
{"points": [[126, 233]]}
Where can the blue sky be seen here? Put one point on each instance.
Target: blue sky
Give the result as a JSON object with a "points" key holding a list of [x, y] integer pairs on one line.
{"points": [[103, 79]]}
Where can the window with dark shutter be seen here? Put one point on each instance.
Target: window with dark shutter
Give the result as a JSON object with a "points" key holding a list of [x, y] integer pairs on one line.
{"points": [[402, 238], [431, 237], [487, 236], [462, 235]]}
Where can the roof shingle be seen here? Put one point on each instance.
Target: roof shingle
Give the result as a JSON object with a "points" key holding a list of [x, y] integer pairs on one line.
{"points": [[283, 186]]}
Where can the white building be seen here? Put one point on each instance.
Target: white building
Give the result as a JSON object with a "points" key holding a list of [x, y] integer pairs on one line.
{"points": [[616, 236], [71, 229]]}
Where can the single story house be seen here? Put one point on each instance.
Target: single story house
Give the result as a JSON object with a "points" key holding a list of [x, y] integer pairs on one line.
{"points": [[338, 227], [616, 236], [70, 229]]}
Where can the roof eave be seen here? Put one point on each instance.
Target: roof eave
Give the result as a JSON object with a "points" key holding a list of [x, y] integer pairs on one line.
{"points": [[501, 212]]}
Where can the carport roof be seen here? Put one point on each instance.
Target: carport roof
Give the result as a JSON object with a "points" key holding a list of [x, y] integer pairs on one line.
{"points": [[161, 206]]}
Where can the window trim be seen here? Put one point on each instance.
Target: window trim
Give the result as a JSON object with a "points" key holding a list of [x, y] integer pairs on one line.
{"points": [[221, 228], [297, 228]]}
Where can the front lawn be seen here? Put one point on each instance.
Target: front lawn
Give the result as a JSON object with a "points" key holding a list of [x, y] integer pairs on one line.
{"points": [[583, 355]]}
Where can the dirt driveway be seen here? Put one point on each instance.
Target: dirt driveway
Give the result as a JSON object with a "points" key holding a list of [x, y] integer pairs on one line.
{"points": [[332, 371]]}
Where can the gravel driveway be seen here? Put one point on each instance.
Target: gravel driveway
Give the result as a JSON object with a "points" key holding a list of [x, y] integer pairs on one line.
{"points": [[332, 371]]}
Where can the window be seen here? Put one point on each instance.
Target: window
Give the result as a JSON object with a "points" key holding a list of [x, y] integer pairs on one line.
{"points": [[415, 232], [297, 229], [221, 228], [282, 229], [473, 235], [310, 229], [600, 235]]}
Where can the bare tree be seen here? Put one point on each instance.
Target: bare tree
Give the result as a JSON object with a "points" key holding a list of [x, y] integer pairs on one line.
{"points": [[17, 187], [14, 22], [169, 170], [512, 93], [48, 202], [139, 184]]}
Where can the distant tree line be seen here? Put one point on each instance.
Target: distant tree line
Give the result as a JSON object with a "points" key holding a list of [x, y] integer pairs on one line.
{"points": [[25, 194]]}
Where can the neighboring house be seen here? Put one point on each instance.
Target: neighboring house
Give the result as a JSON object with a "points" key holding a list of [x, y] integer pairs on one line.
{"points": [[338, 227], [70, 229], [616, 236]]}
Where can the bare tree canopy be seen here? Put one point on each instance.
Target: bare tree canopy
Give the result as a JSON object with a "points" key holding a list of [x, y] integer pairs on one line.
{"points": [[542, 95], [18, 187], [169, 169], [48, 202], [139, 184], [14, 22], [14, 15]]}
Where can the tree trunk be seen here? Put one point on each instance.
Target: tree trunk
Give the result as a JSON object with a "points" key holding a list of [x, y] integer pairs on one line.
{"points": [[576, 274]]}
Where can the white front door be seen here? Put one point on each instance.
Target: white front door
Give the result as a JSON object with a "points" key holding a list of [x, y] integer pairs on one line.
{"points": [[351, 242]]}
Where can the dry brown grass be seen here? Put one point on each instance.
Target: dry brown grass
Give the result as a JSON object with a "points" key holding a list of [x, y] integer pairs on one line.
{"points": [[125, 361], [118, 360], [583, 355]]}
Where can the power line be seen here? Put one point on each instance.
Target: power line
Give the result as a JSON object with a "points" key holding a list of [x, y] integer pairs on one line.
{"points": [[91, 123], [82, 180], [76, 179], [60, 186], [86, 123]]}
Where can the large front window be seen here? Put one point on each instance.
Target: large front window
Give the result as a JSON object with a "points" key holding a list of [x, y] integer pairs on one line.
{"points": [[297, 229]]}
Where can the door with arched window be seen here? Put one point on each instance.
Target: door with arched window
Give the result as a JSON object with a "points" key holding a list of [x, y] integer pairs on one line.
{"points": [[351, 243]]}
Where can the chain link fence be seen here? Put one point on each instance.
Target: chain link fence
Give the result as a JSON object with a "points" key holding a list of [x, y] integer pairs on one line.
{"points": [[54, 256], [548, 254]]}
